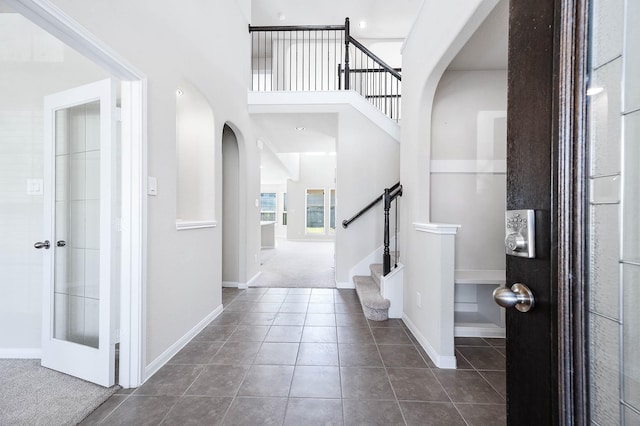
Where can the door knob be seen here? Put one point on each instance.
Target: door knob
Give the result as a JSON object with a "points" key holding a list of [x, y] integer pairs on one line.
{"points": [[61, 243], [518, 296], [42, 244]]}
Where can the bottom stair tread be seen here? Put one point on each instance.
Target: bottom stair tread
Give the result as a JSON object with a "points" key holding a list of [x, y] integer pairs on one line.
{"points": [[375, 307]]}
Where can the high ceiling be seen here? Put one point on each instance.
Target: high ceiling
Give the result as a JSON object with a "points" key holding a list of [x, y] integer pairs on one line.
{"points": [[386, 19], [389, 21]]}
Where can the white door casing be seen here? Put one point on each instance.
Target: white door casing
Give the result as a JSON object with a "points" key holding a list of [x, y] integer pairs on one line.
{"points": [[78, 325]]}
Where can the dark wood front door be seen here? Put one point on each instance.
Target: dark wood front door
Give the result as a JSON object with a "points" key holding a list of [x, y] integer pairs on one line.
{"points": [[544, 174]]}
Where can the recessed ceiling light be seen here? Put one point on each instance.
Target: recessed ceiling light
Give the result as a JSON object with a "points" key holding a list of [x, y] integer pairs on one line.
{"points": [[362, 24], [179, 92], [299, 128], [594, 91]]}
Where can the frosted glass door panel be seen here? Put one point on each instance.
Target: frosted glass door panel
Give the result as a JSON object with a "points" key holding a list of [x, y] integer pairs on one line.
{"points": [[77, 225], [79, 203], [614, 275]]}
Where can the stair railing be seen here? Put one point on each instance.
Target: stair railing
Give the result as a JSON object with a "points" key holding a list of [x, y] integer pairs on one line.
{"points": [[322, 58], [388, 196]]}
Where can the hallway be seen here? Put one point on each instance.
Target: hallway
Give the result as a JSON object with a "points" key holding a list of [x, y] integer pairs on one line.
{"points": [[308, 356], [297, 264]]}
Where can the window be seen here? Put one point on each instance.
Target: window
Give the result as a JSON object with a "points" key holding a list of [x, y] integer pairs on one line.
{"points": [[268, 206], [332, 211], [284, 209], [315, 211]]}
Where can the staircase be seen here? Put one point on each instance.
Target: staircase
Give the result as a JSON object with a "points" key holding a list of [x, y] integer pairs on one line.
{"points": [[375, 307], [381, 296]]}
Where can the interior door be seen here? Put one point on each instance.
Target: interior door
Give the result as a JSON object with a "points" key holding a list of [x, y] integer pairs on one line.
{"points": [[77, 333]]}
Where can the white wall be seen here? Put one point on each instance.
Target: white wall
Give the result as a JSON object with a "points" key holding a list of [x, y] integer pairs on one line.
{"points": [[468, 159], [207, 44], [316, 172], [32, 64], [368, 161], [440, 31]]}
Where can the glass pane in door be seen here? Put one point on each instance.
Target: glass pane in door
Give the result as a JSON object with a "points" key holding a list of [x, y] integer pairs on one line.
{"points": [[614, 276], [77, 224]]}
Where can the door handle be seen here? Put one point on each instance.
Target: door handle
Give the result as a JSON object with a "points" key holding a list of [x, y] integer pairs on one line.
{"points": [[42, 244], [61, 243], [518, 296]]}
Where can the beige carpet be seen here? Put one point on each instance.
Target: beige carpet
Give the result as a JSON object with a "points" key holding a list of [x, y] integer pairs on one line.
{"points": [[297, 264], [34, 395]]}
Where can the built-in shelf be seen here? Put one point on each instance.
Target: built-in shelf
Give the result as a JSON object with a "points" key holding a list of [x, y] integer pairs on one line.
{"points": [[476, 314], [182, 225]]}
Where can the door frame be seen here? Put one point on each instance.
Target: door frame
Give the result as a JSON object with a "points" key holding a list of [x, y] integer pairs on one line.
{"points": [[133, 221], [573, 211]]}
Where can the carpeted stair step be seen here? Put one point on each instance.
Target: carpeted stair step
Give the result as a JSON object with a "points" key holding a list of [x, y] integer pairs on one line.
{"points": [[375, 307], [376, 273]]}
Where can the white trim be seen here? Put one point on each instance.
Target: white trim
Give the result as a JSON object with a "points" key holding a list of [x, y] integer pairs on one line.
{"points": [[172, 350], [437, 228], [20, 353], [480, 276], [134, 161], [230, 284], [133, 259], [469, 166], [251, 281], [195, 224], [448, 362], [53, 20], [347, 285], [479, 330]]}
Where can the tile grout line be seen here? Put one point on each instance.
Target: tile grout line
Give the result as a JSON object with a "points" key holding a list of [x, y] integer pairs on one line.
{"points": [[244, 377]]}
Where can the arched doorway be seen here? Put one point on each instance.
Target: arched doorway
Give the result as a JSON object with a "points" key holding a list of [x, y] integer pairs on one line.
{"points": [[230, 208]]}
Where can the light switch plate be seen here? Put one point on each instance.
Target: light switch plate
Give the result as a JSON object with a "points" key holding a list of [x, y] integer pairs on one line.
{"points": [[35, 187], [152, 186]]}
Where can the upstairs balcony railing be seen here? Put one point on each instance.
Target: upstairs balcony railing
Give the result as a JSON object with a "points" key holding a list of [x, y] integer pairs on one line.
{"points": [[322, 58]]}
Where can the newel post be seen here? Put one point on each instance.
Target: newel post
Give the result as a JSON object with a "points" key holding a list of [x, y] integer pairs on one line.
{"points": [[347, 39], [386, 257]]}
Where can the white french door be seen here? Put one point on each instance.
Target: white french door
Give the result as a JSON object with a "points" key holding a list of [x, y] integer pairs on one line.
{"points": [[78, 322]]}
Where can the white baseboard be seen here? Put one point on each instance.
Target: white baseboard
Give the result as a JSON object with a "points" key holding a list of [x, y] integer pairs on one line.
{"points": [[345, 285], [20, 353], [251, 281], [231, 284], [160, 361], [448, 362]]}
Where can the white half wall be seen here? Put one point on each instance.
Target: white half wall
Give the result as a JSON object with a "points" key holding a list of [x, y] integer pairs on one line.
{"points": [[441, 29]]}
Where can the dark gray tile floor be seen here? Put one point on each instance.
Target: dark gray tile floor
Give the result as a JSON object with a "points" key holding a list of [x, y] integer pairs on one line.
{"points": [[280, 356]]}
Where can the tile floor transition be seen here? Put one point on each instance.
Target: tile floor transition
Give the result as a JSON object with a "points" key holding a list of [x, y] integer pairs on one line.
{"points": [[294, 356]]}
